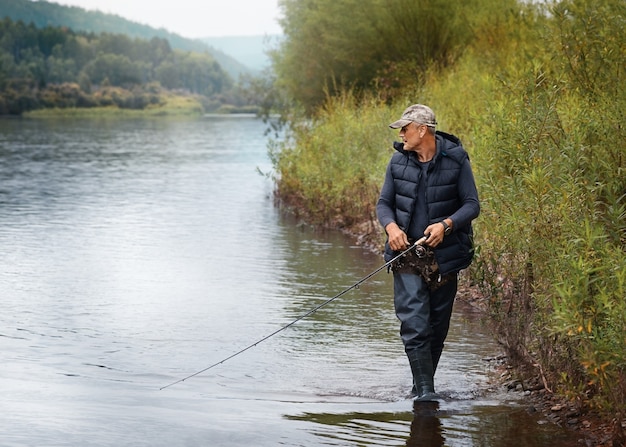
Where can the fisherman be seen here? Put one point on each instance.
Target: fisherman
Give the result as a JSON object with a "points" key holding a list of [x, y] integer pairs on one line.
{"points": [[429, 190]]}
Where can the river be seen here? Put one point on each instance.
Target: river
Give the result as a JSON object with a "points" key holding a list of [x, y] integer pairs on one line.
{"points": [[139, 252]]}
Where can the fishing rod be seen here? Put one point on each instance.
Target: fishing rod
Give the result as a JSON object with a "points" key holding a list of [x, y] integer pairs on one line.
{"points": [[311, 312]]}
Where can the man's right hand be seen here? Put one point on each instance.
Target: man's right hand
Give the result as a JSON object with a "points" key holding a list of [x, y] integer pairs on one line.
{"points": [[398, 239]]}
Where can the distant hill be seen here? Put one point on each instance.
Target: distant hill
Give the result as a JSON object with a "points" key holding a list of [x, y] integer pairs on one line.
{"points": [[251, 51], [42, 13]]}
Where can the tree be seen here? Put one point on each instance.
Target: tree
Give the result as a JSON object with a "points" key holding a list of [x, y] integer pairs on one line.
{"points": [[119, 70], [331, 46]]}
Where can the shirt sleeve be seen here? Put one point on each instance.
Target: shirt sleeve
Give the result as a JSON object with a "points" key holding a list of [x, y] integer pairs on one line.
{"points": [[385, 208], [468, 196]]}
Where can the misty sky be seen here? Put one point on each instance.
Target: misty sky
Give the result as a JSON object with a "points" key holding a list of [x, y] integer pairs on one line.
{"points": [[194, 18]]}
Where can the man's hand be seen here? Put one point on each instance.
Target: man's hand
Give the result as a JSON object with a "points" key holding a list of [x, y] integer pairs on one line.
{"points": [[435, 233], [398, 239]]}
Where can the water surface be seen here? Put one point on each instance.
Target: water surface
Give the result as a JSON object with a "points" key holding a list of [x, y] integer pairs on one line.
{"points": [[138, 252]]}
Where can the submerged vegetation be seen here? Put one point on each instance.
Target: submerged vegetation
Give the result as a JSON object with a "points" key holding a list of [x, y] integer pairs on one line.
{"points": [[535, 92]]}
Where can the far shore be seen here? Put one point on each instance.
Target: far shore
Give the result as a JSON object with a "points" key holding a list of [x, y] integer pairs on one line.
{"points": [[179, 106]]}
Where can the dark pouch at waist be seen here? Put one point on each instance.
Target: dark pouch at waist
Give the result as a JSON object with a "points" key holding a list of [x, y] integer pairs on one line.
{"points": [[421, 261]]}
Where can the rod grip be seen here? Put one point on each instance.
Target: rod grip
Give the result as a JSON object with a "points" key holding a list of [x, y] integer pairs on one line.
{"points": [[421, 241]]}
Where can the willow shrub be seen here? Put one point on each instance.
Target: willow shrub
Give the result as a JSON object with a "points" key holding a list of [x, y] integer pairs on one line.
{"points": [[332, 165], [550, 161], [544, 129]]}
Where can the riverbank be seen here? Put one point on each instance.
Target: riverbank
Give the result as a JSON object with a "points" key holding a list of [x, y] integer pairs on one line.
{"points": [[530, 383], [592, 428], [169, 105]]}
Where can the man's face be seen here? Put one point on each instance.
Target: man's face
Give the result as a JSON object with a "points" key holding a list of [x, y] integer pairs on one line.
{"points": [[412, 135]]}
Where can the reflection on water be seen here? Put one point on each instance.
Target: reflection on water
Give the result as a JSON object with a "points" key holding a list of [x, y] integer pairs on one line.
{"points": [[435, 424], [426, 426], [138, 252]]}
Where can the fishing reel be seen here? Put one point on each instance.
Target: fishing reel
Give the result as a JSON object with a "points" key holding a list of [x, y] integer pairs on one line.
{"points": [[420, 251]]}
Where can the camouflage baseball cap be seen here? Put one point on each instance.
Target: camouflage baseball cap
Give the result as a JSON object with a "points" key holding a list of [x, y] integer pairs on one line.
{"points": [[417, 113]]}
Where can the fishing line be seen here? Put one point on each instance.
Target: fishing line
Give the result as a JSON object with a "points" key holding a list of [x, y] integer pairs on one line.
{"points": [[309, 313]]}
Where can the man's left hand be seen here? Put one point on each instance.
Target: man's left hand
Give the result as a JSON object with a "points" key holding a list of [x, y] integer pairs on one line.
{"points": [[435, 233]]}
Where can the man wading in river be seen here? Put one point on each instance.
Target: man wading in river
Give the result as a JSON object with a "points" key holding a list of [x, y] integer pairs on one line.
{"points": [[429, 190]]}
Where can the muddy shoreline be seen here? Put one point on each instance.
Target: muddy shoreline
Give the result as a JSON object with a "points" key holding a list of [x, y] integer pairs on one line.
{"points": [[592, 428]]}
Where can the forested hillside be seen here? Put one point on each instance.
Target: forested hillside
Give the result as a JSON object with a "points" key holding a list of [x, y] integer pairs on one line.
{"points": [[45, 14], [57, 67]]}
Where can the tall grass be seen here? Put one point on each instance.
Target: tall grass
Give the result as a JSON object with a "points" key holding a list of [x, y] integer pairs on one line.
{"points": [[549, 152], [332, 165]]}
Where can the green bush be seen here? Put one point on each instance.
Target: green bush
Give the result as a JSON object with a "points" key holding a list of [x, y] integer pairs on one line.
{"points": [[550, 157], [333, 164]]}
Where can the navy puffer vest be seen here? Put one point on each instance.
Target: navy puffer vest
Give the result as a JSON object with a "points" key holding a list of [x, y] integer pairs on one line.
{"points": [[456, 251]]}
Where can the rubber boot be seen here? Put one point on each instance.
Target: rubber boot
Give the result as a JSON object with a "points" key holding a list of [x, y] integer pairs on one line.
{"points": [[422, 368], [436, 356]]}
